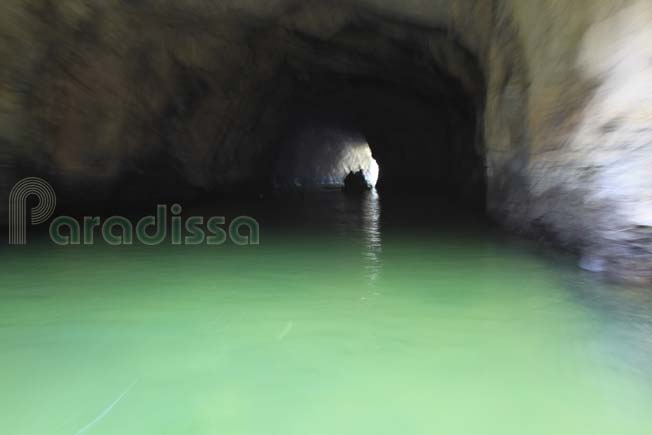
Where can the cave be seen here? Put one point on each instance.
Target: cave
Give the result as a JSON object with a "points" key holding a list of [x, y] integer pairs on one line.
{"points": [[319, 206], [413, 94], [424, 142], [202, 104]]}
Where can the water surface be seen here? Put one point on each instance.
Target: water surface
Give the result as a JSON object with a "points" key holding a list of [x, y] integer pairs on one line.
{"points": [[347, 319]]}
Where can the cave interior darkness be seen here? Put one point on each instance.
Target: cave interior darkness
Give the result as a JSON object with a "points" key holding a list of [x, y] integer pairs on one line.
{"points": [[415, 95], [422, 123], [425, 144]]}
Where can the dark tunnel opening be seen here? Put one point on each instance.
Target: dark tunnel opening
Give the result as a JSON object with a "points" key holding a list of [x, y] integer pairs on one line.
{"points": [[413, 96], [426, 145]]}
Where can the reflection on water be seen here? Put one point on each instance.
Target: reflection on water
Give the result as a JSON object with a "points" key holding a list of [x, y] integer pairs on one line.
{"points": [[347, 319], [371, 230]]}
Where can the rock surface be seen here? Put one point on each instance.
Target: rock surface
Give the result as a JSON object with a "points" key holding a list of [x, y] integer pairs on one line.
{"points": [[95, 93]]}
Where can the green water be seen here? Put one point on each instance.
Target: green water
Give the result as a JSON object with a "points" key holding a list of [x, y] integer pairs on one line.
{"points": [[338, 323]]}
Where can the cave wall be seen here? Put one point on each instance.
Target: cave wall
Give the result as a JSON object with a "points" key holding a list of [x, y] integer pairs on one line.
{"points": [[93, 91], [198, 90], [583, 172]]}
